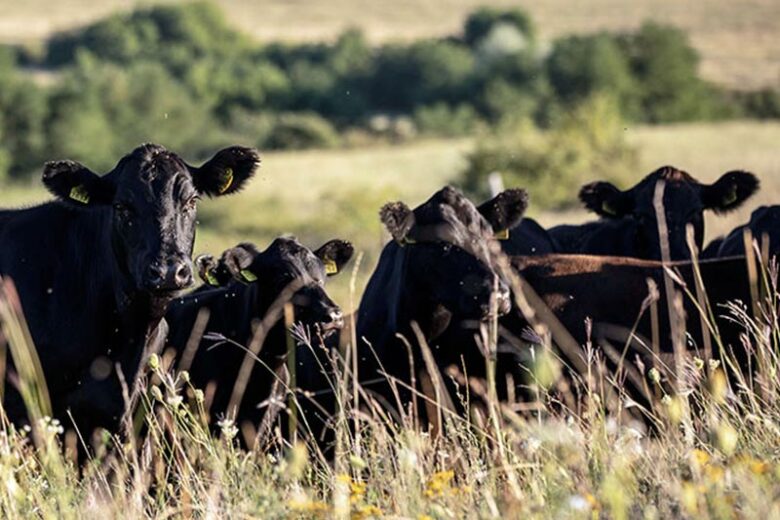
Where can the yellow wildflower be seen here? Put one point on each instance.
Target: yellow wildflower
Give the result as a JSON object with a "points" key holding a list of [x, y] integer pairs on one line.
{"points": [[304, 505], [755, 466], [357, 488], [443, 476], [439, 483], [367, 512], [701, 457], [714, 473]]}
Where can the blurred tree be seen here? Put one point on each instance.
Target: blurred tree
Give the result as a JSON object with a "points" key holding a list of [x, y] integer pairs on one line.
{"points": [[22, 114], [302, 130], [172, 34], [100, 112], [440, 119], [424, 72], [481, 22], [665, 67], [582, 144], [581, 66]]}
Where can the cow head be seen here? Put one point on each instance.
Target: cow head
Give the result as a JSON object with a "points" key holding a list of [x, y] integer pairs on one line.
{"points": [[447, 242], [152, 197], [685, 200], [286, 264]]}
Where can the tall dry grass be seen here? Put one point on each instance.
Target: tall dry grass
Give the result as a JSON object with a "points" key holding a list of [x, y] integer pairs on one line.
{"points": [[714, 453]]}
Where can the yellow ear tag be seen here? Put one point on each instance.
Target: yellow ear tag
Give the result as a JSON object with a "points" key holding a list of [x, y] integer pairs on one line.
{"points": [[607, 208], [227, 180], [79, 193], [407, 240], [330, 267], [248, 275], [501, 235], [211, 279]]}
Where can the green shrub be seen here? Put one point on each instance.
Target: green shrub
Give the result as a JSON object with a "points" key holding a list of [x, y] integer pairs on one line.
{"points": [[172, 34], [302, 130], [23, 108], [481, 22], [581, 66], [441, 119], [583, 145], [424, 72], [762, 104], [99, 112], [665, 68]]}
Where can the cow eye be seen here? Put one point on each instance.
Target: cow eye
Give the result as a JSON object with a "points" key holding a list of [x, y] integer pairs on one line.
{"points": [[191, 203]]}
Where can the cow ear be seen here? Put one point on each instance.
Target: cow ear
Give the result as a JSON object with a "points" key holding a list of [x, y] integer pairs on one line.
{"points": [[208, 271], [605, 199], [226, 172], [237, 262], [76, 184], [505, 210], [334, 255], [398, 219], [730, 191]]}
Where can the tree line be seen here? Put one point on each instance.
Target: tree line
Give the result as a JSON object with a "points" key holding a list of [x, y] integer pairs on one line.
{"points": [[181, 75]]}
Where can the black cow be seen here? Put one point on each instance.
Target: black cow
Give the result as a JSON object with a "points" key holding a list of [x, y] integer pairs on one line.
{"points": [[438, 272], [253, 282], [612, 292], [629, 226], [96, 268], [764, 222], [525, 237]]}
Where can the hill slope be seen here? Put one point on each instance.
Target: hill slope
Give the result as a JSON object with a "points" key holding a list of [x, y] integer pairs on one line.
{"points": [[736, 39]]}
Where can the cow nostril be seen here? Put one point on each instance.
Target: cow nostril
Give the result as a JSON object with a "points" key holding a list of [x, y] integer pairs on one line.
{"points": [[336, 318], [183, 275]]}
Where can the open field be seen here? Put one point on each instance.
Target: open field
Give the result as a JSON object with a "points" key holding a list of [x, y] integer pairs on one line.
{"points": [[719, 462], [738, 40], [319, 195]]}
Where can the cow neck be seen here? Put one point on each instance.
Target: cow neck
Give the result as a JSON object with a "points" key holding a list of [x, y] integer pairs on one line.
{"points": [[250, 305], [431, 317]]}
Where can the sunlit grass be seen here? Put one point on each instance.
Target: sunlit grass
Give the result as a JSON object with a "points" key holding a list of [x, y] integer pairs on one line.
{"points": [[715, 454]]}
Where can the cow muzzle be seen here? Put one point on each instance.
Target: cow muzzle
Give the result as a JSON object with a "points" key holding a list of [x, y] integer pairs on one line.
{"points": [[333, 324], [503, 303], [172, 275]]}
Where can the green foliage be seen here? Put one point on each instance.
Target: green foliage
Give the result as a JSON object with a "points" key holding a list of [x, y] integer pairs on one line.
{"points": [[302, 130], [180, 74], [99, 112], [762, 104], [665, 67], [581, 66], [172, 35], [22, 113], [441, 119], [422, 73], [483, 21], [583, 144]]}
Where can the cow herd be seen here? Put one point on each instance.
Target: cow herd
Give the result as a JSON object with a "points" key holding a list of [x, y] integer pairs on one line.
{"points": [[101, 273]]}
